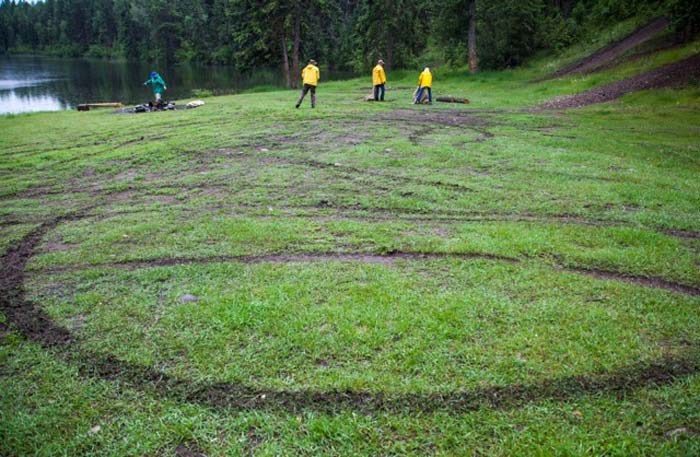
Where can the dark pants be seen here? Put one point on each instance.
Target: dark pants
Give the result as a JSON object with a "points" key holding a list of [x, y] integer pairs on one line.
{"points": [[379, 92], [304, 90], [419, 95]]}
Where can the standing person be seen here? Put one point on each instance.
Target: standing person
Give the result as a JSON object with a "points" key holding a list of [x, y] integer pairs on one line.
{"points": [[425, 81], [157, 84], [310, 76], [378, 81]]}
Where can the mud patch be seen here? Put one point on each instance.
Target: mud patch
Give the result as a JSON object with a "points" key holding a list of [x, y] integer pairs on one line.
{"points": [[683, 234], [253, 440], [672, 75], [189, 450], [58, 247], [28, 319]]}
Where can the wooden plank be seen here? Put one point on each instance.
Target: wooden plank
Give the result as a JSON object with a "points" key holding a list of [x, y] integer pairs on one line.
{"points": [[87, 106]]}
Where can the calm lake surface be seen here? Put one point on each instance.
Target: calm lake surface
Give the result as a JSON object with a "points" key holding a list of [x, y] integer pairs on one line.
{"points": [[35, 83]]}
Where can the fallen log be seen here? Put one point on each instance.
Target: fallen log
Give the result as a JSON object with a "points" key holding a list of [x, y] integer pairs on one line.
{"points": [[452, 100], [87, 106]]}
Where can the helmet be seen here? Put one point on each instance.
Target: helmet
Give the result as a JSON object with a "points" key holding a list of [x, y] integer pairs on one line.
{"points": [[153, 74]]}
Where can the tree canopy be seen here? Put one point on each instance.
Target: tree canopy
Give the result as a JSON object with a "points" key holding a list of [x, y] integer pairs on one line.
{"points": [[342, 34]]}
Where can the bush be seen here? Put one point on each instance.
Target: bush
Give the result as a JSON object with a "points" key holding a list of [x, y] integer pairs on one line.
{"points": [[553, 32], [202, 93]]}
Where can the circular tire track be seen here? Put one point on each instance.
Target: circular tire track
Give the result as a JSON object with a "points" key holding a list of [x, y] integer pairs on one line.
{"points": [[36, 326]]}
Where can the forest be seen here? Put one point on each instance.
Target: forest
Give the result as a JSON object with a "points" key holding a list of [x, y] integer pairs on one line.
{"points": [[347, 35]]}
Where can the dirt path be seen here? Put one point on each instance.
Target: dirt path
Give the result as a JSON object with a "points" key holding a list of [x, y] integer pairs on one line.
{"points": [[675, 74], [611, 52]]}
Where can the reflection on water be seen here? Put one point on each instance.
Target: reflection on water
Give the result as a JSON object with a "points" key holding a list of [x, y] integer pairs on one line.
{"points": [[32, 83], [12, 102]]}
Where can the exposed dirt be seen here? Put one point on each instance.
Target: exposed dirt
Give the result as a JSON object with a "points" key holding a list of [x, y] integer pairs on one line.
{"points": [[664, 45], [11, 222], [58, 247], [389, 258], [189, 450], [29, 319], [626, 379], [647, 281], [675, 74], [683, 234], [451, 117], [253, 440], [383, 259], [611, 52]]}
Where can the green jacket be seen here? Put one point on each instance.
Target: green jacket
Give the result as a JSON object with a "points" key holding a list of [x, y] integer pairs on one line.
{"points": [[157, 84]]}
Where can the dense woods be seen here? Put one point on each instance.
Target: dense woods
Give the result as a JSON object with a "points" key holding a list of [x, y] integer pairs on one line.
{"points": [[341, 34]]}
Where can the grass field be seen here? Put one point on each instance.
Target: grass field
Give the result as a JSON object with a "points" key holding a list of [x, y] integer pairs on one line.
{"points": [[359, 279]]}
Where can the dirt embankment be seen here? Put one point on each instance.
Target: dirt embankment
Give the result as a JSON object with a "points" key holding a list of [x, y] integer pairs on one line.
{"points": [[606, 55], [672, 75]]}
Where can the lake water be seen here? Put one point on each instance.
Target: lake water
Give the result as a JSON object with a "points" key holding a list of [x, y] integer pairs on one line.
{"points": [[34, 83]]}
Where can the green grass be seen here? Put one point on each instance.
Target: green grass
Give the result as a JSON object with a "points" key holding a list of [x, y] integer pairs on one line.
{"points": [[521, 204]]}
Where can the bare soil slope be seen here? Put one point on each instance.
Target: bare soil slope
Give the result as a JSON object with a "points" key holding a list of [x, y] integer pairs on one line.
{"points": [[675, 74], [606, 55]]}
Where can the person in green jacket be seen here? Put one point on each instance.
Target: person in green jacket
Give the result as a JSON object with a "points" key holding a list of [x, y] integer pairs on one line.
{"points": [[157, 84]]}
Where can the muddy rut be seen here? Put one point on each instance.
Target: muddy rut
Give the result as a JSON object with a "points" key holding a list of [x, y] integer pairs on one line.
{"points": [[380, 258]]}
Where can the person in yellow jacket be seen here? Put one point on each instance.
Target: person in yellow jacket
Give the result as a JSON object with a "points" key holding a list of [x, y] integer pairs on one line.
{"points": [[425, 81], [378, 81], [310, 76]]}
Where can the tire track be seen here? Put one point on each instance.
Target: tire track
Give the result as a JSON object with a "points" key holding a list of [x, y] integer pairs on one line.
{"points": [[30, 320], [380, 258]]}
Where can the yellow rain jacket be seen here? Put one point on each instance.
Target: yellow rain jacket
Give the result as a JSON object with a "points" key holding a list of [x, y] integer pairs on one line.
{"points": [[310, 75], [378, 75], [425, 79]]}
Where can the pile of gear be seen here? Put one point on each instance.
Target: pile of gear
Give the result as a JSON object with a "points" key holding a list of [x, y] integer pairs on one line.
{"points": [[159, 105]]}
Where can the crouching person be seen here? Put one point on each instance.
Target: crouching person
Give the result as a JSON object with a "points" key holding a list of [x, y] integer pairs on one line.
{"points": [[425, 83]]}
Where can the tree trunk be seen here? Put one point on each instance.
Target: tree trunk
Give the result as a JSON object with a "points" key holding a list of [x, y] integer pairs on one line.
{"points": [[295, 48], [285, 62], [473, 58], [389, 51]]}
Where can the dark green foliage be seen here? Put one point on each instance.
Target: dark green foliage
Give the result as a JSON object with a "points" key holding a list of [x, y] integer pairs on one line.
{"points": [[393, 30], [685, 15], [602, 12], [508, 30], [340, 34]]}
